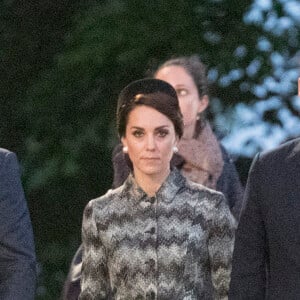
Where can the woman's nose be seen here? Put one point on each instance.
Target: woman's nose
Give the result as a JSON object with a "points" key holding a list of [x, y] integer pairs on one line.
{"points": [[150, 143]]}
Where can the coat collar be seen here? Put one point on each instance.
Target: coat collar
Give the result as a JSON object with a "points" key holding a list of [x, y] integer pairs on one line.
{"points": [[166, 192]]}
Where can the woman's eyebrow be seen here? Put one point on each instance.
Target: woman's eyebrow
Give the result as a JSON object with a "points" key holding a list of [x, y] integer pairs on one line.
{"points": [[136, 127]]}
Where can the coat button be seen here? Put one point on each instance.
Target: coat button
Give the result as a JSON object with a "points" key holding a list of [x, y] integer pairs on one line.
{"points": [[150, 295], [152, 200], [151, 230], [151, 264]]}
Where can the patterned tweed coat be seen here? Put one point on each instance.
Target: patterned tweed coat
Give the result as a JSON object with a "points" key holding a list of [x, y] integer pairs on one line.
{"points": [[176, 245]]}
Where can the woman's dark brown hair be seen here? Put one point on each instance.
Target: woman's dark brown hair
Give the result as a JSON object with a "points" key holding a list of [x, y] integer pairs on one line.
{"points": [[194, 67], [154, 93]]}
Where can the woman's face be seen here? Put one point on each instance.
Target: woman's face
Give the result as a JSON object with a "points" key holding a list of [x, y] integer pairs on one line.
{"points": [[190, 103], [150, 137]]}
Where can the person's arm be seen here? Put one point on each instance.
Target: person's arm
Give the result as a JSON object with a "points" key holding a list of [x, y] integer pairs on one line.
{"points": [[220, 247], [248, 279], [17, 253], [121, 169], [230, 185], [71, 288], [94, 273]]}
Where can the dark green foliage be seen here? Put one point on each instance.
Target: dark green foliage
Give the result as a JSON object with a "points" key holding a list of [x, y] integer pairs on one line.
{"points": [[63, 64]]}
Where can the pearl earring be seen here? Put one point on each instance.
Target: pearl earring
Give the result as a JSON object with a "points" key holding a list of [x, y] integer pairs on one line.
{"points": [[125, 149], [175, 149]]}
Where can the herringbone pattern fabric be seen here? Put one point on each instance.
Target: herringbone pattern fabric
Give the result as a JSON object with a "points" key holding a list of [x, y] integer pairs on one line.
{"points": [[176, 245]]}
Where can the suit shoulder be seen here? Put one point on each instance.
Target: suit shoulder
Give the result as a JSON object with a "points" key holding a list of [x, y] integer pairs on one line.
{"points": [[8, 162], [280, 153], [4, 153]]}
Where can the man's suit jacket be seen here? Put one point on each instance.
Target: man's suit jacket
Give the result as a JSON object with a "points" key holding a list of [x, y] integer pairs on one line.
{"points": [[268, 234], [17, 253]]}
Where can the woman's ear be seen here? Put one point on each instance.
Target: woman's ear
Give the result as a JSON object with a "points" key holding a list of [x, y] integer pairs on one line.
{"points": [[124, 141], [203, 104]]}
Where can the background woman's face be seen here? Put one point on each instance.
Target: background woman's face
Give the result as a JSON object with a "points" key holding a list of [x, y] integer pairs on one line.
{"points": [[150, 138], [190, 103]]}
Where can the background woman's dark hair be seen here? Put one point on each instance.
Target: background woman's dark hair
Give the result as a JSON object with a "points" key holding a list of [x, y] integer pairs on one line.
{"points": [[194, 67], [154, 93]]}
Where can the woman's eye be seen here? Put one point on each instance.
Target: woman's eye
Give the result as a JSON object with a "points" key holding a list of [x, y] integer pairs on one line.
{"points": [[162, 133], [181, 92], [137, 133]]}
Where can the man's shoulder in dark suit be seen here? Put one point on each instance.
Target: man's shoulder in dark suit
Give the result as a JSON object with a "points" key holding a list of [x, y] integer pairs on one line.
{"points": [[17, 253], [279, 161], [281, 153], [266, 257]]}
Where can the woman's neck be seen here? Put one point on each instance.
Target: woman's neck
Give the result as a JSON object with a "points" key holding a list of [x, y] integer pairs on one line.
{"points": [[150, 183], [194, 130], [189, 131]]}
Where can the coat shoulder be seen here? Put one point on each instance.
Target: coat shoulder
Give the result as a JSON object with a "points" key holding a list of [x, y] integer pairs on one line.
{"points": [[211, 206], [204, 193], [104, 202]]}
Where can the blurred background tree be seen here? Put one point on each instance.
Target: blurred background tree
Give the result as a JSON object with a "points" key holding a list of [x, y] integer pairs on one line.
{"points": [[63, 64]]}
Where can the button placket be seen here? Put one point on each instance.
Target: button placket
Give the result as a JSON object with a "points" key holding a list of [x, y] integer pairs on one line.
{"points": [[151, 231], [151, 228]]}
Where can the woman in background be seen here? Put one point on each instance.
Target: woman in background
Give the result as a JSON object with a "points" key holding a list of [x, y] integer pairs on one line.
{"points": [[159, 235]]}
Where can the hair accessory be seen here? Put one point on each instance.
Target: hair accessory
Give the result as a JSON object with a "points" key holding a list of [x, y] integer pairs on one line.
{"points": [[135, 90]]}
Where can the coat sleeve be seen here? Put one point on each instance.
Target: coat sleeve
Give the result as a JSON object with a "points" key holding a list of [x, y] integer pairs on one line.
{"points": [[121, 167], [71, 288], [94, 276], [230, 186], [249, 259], [17, 253], [220, 247]]}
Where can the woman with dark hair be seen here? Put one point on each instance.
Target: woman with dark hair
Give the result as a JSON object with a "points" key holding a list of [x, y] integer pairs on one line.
{"points": [[201, 158], [159, 235]]}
